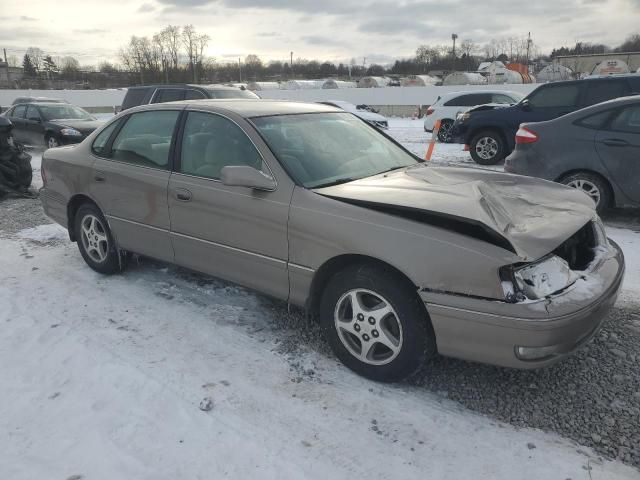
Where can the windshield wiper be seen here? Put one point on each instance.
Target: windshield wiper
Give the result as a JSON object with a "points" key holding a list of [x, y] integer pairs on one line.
{"points": [[339, 181]]}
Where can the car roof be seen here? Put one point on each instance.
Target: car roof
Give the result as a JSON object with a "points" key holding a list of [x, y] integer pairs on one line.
{"points": [[212, 86], [466, 92], [247, 108]]}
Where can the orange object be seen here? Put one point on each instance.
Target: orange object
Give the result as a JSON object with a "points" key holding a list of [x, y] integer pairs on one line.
{"points": [[432, 142]]}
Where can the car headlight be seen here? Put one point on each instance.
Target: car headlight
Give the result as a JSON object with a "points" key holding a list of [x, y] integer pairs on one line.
{"points": [[463, 117], [70, 132], [543, 278]]}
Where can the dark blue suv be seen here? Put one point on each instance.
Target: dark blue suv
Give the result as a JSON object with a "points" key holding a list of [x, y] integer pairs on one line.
{"points": [[490, 131]]}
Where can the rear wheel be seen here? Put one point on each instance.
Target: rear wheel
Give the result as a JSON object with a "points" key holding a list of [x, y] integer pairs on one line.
{"points": [[376, 324], [488, 148], [594, 186], [444, 132], [95, 241]]}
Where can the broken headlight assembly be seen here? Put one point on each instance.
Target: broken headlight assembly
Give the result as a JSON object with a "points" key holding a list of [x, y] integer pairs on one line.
{"points": [[537, 280]]}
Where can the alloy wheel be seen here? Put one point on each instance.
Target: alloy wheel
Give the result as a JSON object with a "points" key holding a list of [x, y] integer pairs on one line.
{"points": [[94, 238], [587, 187], [487, 148], [368, 326]]}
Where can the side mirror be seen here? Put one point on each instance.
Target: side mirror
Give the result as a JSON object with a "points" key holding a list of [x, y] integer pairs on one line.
{"points": [[245, 176], [526, 106]]}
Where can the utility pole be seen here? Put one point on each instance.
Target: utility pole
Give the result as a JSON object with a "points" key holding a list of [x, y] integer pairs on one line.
{"points": [[454, 36], [529, 41], [240, 69], [291, 65]]}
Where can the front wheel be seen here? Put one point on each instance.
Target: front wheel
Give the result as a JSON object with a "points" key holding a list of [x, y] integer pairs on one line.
{"points": [[376, 324], [488, 148], [95, 241]]}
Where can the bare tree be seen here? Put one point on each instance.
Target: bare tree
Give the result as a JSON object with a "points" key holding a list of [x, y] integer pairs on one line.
{"points": [[189, 41], [35, 55], [170, 36]]}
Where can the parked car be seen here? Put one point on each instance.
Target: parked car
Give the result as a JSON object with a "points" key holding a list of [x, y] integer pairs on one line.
{"points": [[363, 111], [37, 100], [449, 105], [490, 133], [175, 92], [51, 124], [308, 204], [596, 149]]}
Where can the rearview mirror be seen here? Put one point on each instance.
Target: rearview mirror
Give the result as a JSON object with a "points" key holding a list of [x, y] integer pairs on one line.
{"points": [[245, 176]]}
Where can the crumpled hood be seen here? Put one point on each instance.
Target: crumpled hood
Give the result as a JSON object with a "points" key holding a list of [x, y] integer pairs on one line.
{"points": [[534, 216]]}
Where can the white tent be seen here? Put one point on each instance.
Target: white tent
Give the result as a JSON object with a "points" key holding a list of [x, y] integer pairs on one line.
{"points": [[418, 81], [464, 78], [611, 67], [331, 83], [255, 86], [303, 84], [554, 72], [373, 82]]}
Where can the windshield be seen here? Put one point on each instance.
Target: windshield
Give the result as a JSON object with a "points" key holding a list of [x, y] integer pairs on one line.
{"points": [[54, 112], [322, 149], [239, 93]]}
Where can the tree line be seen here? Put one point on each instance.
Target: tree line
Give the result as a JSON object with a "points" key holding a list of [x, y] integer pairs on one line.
{"points": [[177, 54]]}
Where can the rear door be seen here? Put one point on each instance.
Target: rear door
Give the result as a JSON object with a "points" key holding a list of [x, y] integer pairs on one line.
{"points": [[235, 233], [130, 177], [618, 146]]}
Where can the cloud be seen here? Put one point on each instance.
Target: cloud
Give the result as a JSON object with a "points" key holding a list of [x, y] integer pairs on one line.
{"points": [[322, 40], [25, 18], [145, 8], [90, 31]]}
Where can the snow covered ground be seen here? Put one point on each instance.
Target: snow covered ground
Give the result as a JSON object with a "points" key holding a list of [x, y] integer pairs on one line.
{"points": [[103, 378]]}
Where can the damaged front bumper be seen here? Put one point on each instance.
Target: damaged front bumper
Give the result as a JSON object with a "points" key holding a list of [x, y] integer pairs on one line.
{"points": [[531, 333]]}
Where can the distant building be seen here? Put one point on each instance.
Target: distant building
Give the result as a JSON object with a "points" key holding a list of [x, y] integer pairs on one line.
{"points": [[9, 76], [582, 65]]}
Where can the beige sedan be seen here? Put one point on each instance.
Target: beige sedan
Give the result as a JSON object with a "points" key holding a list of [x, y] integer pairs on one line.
{"points": [[311, 205]]}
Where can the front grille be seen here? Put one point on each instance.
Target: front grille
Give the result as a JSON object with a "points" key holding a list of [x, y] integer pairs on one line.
{"points": [[578, 250]]}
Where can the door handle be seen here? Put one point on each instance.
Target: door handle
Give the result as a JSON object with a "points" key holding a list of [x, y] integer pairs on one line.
{"points": [[183, 195], [99, 177], [615, 142]]}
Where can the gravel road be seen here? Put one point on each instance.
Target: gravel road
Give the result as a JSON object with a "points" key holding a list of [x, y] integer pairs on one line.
{"points": [[593, 397]]}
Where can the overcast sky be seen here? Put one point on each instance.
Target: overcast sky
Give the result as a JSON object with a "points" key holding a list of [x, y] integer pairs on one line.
{"points": [[334, 30]]}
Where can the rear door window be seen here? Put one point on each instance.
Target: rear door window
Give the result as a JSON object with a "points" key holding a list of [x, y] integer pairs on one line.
{"points": [[595, 121], [501, 98], [99, 146], [603, 90], [628, 120], [134, 97], [194, 95], [32, 113], [555, 96], [145, 139], [164, 95], [469, 100]]}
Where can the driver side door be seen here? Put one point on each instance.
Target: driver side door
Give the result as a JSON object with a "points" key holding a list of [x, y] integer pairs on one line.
{"points": [[33, 126]]}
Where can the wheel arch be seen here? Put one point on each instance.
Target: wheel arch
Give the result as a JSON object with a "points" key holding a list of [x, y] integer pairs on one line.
{"points": [[604, 179], [72, 208], [338, 263], [490, 128]]}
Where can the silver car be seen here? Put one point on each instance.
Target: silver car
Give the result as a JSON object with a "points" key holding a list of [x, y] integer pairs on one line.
{"points": [[311, 205]]}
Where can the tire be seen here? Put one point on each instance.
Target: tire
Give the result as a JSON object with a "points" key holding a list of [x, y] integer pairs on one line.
{"points": [[488, 147], [95, 241], [444, 133], [405, 327], [51, 141], [593, 185]]}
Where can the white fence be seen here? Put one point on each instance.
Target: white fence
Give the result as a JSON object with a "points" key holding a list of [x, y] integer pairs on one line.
{"points": [[372, 96]]}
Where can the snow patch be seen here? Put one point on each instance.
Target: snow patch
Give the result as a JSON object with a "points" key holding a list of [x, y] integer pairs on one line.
{"points": [[44, 233]]}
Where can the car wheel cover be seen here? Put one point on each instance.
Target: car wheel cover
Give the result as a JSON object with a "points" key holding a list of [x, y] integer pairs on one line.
{"points": [[52, 142], [94, 238], [444, 132], [487, 148], [368, 326], [587, 187]]}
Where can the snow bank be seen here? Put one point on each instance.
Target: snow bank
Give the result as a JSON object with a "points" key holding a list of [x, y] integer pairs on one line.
{"points": [[44, 233]]}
